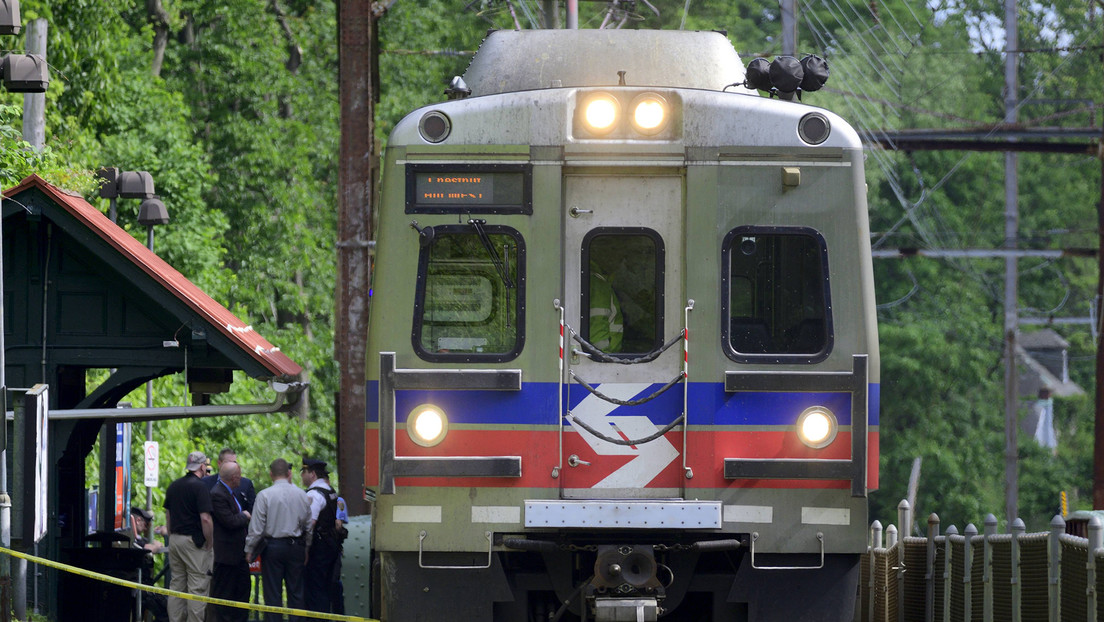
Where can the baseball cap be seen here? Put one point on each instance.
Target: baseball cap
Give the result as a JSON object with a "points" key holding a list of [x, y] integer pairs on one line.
{"points": [[197, 460], [146, 514]]}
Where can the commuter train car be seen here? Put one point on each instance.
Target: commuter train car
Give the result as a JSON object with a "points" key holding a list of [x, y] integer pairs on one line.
{"points": [[623, 358]]}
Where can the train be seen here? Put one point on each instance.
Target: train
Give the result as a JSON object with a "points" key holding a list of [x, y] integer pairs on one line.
{"points": [[623, 355]]}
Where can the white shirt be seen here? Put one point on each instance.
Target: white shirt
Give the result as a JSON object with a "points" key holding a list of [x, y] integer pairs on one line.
{"points": [[317, 499]]}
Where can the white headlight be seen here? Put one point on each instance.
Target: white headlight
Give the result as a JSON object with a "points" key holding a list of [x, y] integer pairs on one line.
{"points": [[427, 425], [817, 427], [649, 113], [601, 112]]}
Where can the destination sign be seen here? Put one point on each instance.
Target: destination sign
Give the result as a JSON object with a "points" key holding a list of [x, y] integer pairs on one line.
{"points": [[468, 189]]}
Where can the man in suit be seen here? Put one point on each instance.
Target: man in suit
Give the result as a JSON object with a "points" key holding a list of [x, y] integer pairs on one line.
{"points": [[230, 577], [244, 492]]}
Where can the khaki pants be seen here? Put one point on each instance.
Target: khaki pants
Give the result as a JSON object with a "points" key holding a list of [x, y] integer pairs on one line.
{"points": [[191, 573]]}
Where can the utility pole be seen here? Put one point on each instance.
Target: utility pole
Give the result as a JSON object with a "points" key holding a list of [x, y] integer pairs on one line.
{"points": [[358, 79], [1098, 444], [789, 27], [1011, 271], [551, 11], [34, 104]]}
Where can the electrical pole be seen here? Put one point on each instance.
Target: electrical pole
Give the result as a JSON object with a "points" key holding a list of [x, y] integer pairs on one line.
{"points": [[789, 27], [358, 77], [1011, 272], [34, 104], [1098, 444]]}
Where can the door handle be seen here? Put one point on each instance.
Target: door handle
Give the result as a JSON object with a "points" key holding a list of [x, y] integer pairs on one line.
{"points": [[575, 461]]}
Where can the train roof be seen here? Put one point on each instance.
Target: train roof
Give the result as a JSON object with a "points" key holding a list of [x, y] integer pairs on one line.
{"points": [[522, 60]]}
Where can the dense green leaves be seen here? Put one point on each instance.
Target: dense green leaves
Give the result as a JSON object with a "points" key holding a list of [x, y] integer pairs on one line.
{"points": [[240, 130]]}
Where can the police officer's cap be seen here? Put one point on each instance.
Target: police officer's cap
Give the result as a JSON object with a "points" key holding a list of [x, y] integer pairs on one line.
{"points": [[317, 466]]}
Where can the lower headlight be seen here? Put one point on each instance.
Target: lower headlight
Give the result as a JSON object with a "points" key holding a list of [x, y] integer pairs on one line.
{"points": [[427, 425], [817, 427]]}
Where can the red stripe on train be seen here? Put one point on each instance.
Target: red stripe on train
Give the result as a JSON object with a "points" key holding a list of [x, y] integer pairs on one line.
{"points": [[539, 453]]}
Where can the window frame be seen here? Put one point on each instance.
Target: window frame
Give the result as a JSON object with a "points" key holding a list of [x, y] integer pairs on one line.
{"points": [[726, 292], [420, 292], [661, 281]]}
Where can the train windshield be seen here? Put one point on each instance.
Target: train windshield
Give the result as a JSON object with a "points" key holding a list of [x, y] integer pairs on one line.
{"points": [[468, 301], [622, 288], [777, 296]]}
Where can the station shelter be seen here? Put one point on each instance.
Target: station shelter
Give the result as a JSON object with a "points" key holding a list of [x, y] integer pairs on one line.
{"points": [[82, 294]]}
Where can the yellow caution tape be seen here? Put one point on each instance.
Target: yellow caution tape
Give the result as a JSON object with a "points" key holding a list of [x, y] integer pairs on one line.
{"points": [[160, 590]]}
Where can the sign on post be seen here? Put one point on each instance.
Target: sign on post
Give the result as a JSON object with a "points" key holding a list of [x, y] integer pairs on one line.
{"points": [[152, 457]]}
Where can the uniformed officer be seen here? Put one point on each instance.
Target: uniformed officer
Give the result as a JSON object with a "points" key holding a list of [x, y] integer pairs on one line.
{"points": [[325, 546]]}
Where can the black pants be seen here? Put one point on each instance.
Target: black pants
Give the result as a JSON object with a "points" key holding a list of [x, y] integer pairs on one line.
{"points": [[319, 576], [231, 582], [282, 564]]}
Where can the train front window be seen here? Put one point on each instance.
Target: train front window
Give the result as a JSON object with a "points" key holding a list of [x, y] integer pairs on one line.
{"points": [[469, 300], [776, 294], [622, 290]]}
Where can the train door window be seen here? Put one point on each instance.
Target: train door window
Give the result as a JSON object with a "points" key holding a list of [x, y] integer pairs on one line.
{"points": [[469, 303], [622, 289], [775, 295]]}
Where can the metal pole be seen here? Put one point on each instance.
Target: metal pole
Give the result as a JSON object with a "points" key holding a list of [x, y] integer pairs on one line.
{"points": [[572, 14], [149, 430], [1011, 273], [5, 500], [1098, 445], [789, 27], [551, 10], [34, 104]]}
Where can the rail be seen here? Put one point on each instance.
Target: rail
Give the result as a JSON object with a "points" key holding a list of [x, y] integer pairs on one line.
{"points": [[985, 576]]}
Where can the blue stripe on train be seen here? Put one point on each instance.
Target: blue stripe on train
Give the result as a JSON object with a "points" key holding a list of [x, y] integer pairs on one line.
{"points": [[535, 404]]}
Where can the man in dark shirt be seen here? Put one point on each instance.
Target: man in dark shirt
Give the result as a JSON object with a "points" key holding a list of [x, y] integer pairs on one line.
{"points": [[188, 519], [230, 579], [244, 492]]}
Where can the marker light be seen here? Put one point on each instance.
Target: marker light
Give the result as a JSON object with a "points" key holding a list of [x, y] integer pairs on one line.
{"points": [[817, 427], [601, 112], [649, 113], [427, 425]]}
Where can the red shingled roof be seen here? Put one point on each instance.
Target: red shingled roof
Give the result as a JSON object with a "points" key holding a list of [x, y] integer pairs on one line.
{"points": [[219, 316]]}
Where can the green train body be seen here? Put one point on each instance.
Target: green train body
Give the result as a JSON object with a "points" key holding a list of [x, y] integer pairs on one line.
{"points": [[519, 474]]}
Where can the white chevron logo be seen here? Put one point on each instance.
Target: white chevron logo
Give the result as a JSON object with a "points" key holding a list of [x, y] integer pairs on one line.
{"points": [[651, 458]]}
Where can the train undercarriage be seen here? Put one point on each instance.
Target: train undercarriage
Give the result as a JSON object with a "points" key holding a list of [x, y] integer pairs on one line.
{"points": [[635, 580]]}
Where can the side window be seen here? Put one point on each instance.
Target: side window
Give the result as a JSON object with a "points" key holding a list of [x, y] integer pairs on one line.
{"points": [[622, 290], [775, 295], [469, 302]]}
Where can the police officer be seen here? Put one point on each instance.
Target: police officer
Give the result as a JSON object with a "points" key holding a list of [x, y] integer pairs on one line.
{"points": [[325, 546]]}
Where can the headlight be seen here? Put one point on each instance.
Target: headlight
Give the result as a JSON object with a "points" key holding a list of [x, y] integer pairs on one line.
{"points": [[649, 113], [601, 112], [427, 425], [817, 427]]}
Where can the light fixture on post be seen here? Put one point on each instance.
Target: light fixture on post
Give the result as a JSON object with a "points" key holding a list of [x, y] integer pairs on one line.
{"points": [[9, 17], [118, 184], [25, 73]]}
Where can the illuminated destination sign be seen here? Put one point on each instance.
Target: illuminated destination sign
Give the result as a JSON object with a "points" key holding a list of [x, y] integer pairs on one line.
{"points": [[464, 188]]}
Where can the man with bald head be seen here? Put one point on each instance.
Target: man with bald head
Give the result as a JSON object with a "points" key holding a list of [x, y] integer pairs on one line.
{"points": [[230, 577]]}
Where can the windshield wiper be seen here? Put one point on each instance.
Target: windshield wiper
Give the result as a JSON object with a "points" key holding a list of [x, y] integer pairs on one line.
{"points": [[477, 224]]}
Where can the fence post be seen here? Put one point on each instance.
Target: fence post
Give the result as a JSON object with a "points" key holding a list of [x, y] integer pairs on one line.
{"points": [[968, 572], [1018, 530], [904, 519], [948, 586], [872, 583], [929, 572], [1057, 528], [891, 537], [987, 568], [1096, 541]]}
